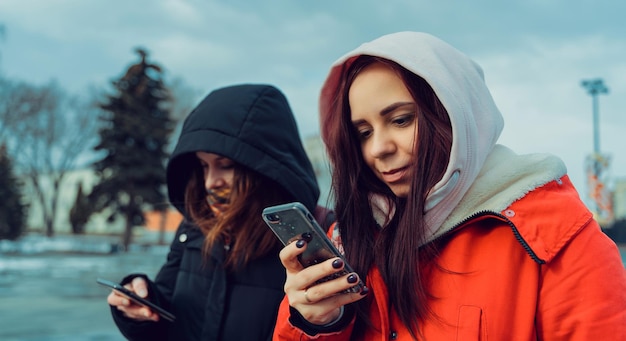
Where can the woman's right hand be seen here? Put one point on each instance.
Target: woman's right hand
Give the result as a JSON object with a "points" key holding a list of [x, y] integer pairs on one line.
{"points": [[129, 308], [318, 303]]}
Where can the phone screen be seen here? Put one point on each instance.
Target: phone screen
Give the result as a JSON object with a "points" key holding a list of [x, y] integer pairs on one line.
{"points": [[293, 221], [137, 299]]}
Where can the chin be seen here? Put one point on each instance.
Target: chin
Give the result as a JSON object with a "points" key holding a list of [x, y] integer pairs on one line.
{"points": [[400, 191]]}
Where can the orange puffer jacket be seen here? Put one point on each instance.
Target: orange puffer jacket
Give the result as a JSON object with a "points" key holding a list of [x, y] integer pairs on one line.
{"points": [[539, 270]]}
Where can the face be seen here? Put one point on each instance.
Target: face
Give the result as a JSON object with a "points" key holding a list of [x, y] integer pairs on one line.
{"points": [[384, 115], [218, 172]]}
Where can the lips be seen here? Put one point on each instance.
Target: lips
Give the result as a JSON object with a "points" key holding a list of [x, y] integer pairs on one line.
{"points": [[218, 196], [394, 175], [218, 200]]}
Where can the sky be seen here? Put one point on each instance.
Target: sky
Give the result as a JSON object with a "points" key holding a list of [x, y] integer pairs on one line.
{"points": [[534, 54]]}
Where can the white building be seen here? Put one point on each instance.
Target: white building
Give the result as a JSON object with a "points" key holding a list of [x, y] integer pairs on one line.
{"points": [[98, 223], [67, 196]]}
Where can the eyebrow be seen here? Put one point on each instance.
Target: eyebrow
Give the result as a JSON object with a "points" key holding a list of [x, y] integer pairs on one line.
{"points": [[395, 106], [389, 109]]}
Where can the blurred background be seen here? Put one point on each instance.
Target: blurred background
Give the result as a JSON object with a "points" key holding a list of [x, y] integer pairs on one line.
{"points": [[93, 94]]}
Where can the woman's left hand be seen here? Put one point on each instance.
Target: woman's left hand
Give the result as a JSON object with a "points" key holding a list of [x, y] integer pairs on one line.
{"points": [[318, 303]]}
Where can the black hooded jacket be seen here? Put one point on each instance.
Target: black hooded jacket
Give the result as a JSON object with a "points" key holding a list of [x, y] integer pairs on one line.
{"points": [[253, 125]]}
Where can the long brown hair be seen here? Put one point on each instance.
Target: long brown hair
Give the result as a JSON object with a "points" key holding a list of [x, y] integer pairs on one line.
{"points": [[241, 224], [399, 248]]}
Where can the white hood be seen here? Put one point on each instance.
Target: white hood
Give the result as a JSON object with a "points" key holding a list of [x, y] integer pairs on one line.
{"points": [[459, 84]]}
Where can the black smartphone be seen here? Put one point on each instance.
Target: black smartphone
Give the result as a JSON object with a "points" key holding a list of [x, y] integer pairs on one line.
{"points": [[293, 221], [139, 300]]}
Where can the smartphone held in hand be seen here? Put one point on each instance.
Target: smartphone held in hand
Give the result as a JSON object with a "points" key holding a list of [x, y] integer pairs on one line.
{"points": [[293, 221], [137, 299]]}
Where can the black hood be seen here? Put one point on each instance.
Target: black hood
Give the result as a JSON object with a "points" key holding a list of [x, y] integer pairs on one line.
{"points": [[252, 125]]}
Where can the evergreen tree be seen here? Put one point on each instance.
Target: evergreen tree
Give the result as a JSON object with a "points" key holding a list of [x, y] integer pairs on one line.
{"points": [[12, 208], [134, 137], [80, 212]]}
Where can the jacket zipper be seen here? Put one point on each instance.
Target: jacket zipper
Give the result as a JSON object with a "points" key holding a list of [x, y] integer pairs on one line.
{"points": [[499, 216]]}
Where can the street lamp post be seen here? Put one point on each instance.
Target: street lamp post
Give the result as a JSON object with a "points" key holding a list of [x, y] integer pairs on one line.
{"points": [[597, 163], [594, 88]]}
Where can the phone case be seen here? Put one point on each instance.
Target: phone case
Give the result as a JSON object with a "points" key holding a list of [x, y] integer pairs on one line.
{"points": [[137, 299], [293, 221]]}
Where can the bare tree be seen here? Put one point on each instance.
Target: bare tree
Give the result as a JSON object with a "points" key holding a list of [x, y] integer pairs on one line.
{"points": [[48, 139], [19, 102]]}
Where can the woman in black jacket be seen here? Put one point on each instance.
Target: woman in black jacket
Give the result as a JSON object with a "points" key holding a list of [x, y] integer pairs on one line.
{"points": [[239, 151]]}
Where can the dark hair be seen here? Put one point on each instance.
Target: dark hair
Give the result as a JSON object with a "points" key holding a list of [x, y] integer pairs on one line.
{"points": [[241, 224], [400, 251]]}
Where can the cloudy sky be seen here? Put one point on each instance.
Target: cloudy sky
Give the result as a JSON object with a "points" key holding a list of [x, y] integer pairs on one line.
{"points": [[535, 53]]}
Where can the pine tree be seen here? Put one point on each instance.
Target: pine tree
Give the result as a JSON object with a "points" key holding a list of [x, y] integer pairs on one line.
{"points": [[12, 208], [134, 138], [80, 212]]}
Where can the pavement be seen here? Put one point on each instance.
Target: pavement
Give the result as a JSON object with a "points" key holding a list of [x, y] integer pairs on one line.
{"points": [[55, 297]]}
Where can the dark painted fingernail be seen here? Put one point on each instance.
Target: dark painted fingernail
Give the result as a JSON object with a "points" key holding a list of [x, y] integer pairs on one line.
{"points": [[352, 278], [300, 243], [364, 291], [307, 236], [337, 263]]}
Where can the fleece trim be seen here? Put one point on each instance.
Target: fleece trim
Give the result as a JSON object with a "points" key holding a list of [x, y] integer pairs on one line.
{"points": [[505, 178]]}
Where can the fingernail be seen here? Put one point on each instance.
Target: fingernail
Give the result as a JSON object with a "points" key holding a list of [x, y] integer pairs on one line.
{"points": [[352, 278], [300, 243], [307, 236], [364, 291], [337, 263], [142, 293]]}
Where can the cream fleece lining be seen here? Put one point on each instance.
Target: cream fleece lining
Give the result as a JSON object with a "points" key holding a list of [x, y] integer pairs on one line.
{"points": [[505, 178]]}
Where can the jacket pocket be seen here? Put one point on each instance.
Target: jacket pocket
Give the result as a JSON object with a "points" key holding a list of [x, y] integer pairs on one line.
{"points": [[470, 324]]}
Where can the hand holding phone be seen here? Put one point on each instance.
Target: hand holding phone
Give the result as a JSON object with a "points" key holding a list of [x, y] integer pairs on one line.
{"points": [[293, 221], [120, 289]]}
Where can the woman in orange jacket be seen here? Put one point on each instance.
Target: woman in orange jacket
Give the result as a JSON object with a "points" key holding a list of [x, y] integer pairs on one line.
{"points": [[456, 236]]}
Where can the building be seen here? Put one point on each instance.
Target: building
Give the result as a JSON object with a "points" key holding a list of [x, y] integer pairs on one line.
{"points": [[619, 199], [155, 221], [67, 195], [316, 151]]}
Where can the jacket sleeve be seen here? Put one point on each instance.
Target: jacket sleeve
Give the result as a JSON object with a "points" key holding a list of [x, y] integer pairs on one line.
{"points": [[583, 291], [160, 292], [286, 330]]}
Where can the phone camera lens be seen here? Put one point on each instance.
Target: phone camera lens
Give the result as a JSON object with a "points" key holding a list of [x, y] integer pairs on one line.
{"points": [[307, 237], [272, 217]]}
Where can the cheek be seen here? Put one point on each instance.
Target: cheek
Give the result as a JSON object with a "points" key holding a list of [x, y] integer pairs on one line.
{"points": [[229, 177], [408, 141]]}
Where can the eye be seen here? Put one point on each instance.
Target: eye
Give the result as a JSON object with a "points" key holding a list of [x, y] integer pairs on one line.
{"points": [[226, 164], [363, 133], [403, 120]]}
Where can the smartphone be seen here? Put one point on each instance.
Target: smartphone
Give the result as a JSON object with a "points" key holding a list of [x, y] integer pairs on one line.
{"points": [[293, 221], [139, 300]]}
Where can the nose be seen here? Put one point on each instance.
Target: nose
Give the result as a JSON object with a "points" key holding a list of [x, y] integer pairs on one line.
{"points": [[213, 180], [381, 145]]}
